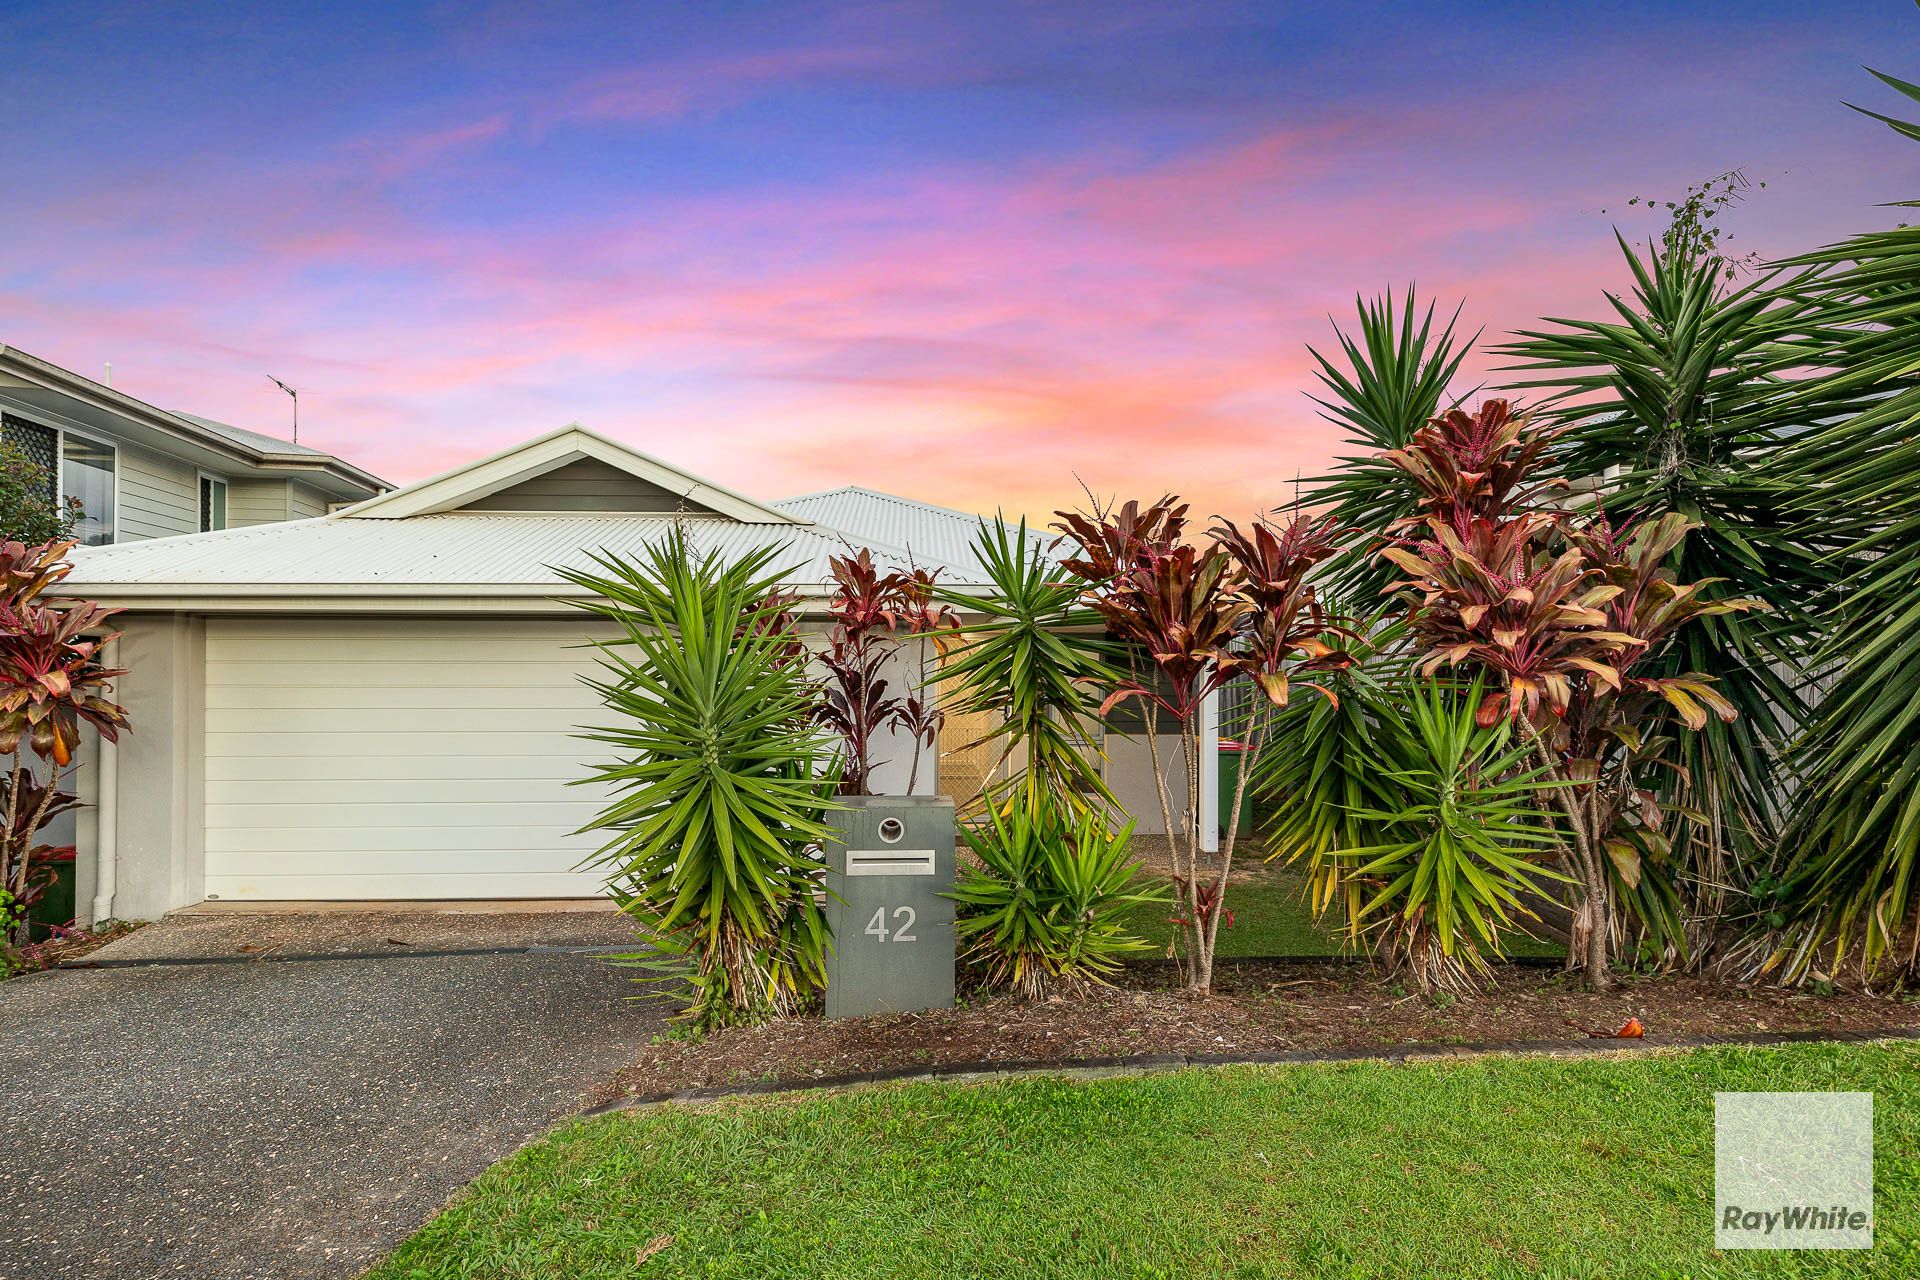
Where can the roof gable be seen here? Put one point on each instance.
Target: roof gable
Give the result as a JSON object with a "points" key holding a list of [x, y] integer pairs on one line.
{"points": [[512, 479]]}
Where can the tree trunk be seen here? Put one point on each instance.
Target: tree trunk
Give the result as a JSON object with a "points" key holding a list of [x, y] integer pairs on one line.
{"points": [[1586, 950], [13, 861], [1201, 980], [1250, 755]]}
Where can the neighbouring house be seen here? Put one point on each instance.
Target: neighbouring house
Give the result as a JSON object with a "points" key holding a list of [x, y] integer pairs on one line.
{"points": [[385, 702], [141, 472]]}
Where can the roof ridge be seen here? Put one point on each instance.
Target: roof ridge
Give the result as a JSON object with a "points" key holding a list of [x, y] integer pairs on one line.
{"points": [[902, 499]]}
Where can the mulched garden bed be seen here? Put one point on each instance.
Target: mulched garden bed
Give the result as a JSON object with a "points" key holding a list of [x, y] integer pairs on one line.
{"points": [[1258, 1007], [70, 945]]}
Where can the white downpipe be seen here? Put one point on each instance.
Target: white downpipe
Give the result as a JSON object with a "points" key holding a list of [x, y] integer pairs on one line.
{"points": [[1209, 815], [106, 827]]}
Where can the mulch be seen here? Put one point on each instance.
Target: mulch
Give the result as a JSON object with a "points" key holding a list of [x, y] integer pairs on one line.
{"points": [[70, 945], [1258, 1007]]}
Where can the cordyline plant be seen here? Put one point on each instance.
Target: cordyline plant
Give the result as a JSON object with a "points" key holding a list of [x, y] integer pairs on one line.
{"points": [[1681, 396], [1195, 618], [872, 611], [922, 613], [1555, 612], [51, 684]]}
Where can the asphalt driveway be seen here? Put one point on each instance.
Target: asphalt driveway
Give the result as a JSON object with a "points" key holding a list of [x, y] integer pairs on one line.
{"points": [[264, 1117]]}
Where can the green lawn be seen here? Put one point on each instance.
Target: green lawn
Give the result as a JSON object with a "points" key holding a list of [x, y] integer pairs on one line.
{"points": [[1270, 918], [1503, 1167]]}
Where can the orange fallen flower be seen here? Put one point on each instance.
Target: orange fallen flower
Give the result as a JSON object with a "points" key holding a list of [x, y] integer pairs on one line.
{"points": [[1629, 1030]]}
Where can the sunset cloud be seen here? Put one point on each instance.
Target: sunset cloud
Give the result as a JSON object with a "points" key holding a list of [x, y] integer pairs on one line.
{"points": [[974, 256]]}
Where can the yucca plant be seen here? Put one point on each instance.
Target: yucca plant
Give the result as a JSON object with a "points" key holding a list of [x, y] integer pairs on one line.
{"points": [[720, 781], [1044, 907], [1310, 777], [1032, 663], [1396, 374], [1677, 402], [1454, 845], [1850, 880]]}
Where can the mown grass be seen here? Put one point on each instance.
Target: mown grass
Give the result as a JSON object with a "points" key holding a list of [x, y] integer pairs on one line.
{"points": [[1500, 1167], [1271, 918]]}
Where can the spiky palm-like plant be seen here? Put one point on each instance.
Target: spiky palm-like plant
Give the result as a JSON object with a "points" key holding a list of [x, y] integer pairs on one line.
{"points": [[1678, 403], [1032, 663], [1395, 374], [1849, 877], [720, 781]]}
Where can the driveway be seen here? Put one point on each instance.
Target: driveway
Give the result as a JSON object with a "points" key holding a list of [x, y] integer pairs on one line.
{"points": [[241, 1116]]}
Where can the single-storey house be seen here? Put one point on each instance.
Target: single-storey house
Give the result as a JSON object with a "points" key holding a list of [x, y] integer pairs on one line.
{"points": [[384, 702]]}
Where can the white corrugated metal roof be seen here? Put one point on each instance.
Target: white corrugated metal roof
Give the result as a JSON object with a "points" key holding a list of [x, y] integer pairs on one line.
{"points": [[452, 553], [935, 535]]}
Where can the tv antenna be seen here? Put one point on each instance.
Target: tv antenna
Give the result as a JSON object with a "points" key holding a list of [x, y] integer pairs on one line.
{"points": [[296, 404]]}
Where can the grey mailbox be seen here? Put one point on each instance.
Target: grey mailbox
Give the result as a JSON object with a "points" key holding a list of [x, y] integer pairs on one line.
{"points": [[887, 874]]}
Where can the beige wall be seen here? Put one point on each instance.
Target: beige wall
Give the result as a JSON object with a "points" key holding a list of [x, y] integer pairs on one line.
{"points": [[161, 790], [159, 496], [251, 502], [1128, 770]]}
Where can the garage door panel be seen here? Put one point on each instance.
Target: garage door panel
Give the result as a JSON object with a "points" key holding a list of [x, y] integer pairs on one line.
{"points": [[325, 887], [422, 700], [452, 720], [549, 675], [397, 758], [533, 837], [398, 815], [390, 793], [396, 861], [245, 634], [473, 744], [346, 774]]}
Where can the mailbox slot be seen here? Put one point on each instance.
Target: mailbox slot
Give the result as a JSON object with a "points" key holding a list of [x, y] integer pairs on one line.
{"points": [[890, 862]]}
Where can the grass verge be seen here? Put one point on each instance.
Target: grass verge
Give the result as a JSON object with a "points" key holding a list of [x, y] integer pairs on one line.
{"points": [[1499, 1167]]}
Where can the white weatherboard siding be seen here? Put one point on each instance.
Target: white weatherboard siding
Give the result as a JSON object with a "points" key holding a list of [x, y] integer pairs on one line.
{"points": [[159, 496], [397, 758]]}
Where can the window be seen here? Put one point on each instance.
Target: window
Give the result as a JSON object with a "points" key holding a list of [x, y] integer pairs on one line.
{"points": [[86, 473], [213, 504], [41, 445]]}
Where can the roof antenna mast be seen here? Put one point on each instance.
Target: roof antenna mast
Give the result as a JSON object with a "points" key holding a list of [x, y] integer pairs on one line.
{"points": [[296, 404]]}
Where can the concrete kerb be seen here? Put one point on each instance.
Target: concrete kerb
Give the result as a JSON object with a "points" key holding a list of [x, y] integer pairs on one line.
{"points": [[980, 1072]]}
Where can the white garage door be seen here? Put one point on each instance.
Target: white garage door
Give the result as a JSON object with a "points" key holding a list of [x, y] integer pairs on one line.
{"points": [[374, 758]]}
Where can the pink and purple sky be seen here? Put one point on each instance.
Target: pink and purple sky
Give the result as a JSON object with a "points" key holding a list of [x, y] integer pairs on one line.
{"points": [[965, 252]]}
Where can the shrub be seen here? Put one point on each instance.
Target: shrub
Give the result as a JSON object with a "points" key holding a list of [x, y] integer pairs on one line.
{"points": [[1455, 838], [1045, 908], [52, 683], [28, 512], [722, 781]]}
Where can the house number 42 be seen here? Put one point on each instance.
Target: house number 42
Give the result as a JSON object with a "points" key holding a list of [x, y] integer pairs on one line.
{"points": [[903, 920]]}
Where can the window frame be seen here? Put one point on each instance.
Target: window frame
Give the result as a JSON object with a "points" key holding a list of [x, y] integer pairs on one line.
{"points": [[60, 480], [226, 504]]}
